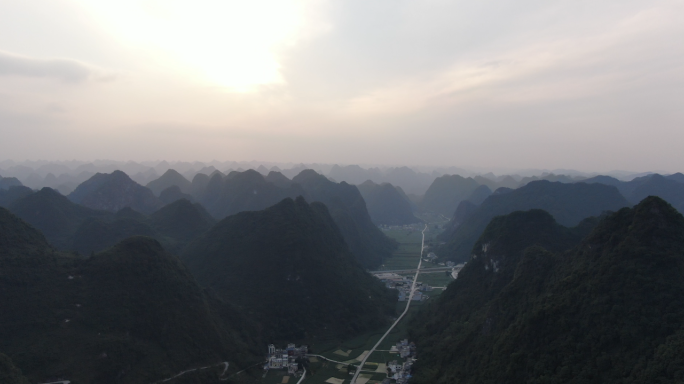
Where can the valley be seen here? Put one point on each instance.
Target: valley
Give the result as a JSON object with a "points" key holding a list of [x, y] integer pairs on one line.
{"points": [[184, 294]]}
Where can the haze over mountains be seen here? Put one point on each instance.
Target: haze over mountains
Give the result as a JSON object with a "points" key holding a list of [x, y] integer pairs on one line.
{"points": [[210, 269], [65, 176]]}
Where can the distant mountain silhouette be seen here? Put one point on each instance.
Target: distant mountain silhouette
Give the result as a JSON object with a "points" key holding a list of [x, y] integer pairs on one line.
{"points": [[479, 195], [242, 191], [111, 192], [72, 227], [568, 203], [174, 226], [9, 196], [97, 234], [7, 182], [182, 221], [251, 191], [308, 282], [173, 193], [408, 179], [55, 216], [348, 209], [669, 188], [354, 174], [132, 314], [199, 184], [386, 205], [656, 185], [495, 183], [608, 309], [551, 177], [168, 179], [446, 192], [678, 177], [278, 179]]}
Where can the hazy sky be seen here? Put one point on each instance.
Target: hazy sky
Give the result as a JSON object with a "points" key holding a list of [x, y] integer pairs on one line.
{"points": [[590, 85]]}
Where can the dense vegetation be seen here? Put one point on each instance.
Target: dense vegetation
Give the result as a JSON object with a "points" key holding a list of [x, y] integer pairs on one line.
{"points": [[567, 203], [72, 227], [289, 266], [609, 310], [9, 373], [348, 209], [131, 314], [55, 216], [386, 204]]}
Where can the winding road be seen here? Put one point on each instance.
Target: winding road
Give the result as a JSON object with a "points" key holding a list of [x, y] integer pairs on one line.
{"points": [[408, 304]]}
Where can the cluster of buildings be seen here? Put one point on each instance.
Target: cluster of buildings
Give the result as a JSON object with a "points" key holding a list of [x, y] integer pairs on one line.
{"points": [[432, 257], [288, 358], [398, 370], [403, 285], [414, 227]]}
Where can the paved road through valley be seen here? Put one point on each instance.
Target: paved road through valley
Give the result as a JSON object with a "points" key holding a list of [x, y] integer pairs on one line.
{"points": [[408, 304]]}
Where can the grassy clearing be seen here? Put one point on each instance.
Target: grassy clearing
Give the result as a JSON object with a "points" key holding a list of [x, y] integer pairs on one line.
{"points": [[437, 279]]}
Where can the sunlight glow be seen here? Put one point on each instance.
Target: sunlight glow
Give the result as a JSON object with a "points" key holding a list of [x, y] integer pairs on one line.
{"points": [[229, 43]]}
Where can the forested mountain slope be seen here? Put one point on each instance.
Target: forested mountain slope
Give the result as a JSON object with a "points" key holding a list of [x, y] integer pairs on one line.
{"points": [[348, 209], [131, 314], [290, 266], [567, 203], [610, 310]]}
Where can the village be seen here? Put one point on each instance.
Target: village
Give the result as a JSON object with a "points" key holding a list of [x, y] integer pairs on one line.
{"points": [[295, 359]]}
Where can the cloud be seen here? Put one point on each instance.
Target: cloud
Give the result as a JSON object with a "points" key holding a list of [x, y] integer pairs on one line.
{"points": [[67, 70]]}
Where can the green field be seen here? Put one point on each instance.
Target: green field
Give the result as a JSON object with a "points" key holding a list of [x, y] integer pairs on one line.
{"points": [[436, 279], [406, 256]]}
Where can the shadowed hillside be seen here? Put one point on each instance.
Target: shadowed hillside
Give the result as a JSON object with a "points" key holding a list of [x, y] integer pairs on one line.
{"points": [[610, 310], [242, 191], [168, 179], [387, 205], [348, 209], [113, 191], [132, 314], [72, 227], [55, 216], [567, 203], [446, 192], [289, 265]]}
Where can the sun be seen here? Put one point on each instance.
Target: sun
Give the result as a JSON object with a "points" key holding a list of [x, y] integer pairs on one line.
{"points": [[227, 43]]}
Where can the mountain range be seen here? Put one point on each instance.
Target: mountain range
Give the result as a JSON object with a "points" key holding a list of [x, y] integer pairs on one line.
{"points": [[567, 203], [114, 191], [536, 304], [131, 314], [72, 227], [670, 188], [387, 204], [290, 266]]}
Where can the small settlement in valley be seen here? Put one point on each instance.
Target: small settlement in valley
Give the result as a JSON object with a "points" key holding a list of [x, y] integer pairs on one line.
{"points": [[398, 370], [290, 358]]}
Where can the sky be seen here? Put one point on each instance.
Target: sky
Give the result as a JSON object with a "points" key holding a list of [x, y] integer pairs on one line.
{"points": [[586, 85]]}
